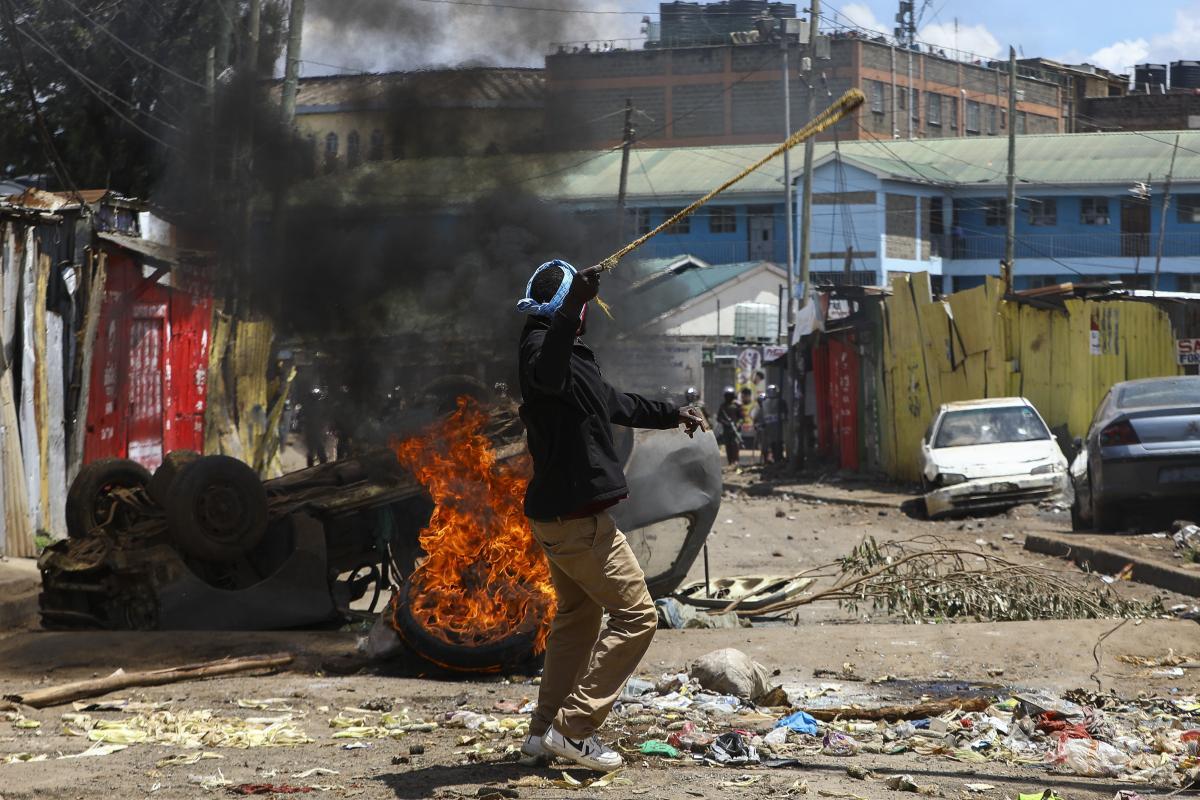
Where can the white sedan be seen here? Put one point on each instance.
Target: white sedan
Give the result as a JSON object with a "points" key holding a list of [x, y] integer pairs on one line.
{"points": [[989, 454]]}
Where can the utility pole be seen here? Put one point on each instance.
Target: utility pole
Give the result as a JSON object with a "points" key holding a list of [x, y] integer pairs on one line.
{"points": [[1010, 238], [224, 34], [1162, 225], [788, 210], [291, 75], [797, 441], [626, 146]]}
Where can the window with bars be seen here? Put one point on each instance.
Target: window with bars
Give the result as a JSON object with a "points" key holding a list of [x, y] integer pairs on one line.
{"points": [[1093, 211], [353, 149], [1188, 210], [916, 105], [877, 99], [640, 218], [376, 151], [1043, 213], [991, 118], [972, 116], [933, 109], [684, 226], [722, 219], [953, 112], [995, 212]]}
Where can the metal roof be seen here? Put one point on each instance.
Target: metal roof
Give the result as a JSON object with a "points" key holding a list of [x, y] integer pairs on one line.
{"points": [[676, 175], [476, 87], [656, 295]]}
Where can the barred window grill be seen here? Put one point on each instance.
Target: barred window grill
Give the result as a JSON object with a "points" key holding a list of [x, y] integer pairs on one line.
{"points": [[858, 277]]}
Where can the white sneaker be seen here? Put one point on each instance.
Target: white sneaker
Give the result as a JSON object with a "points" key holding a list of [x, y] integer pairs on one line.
{"points": [[533, 753], [587, 752]]}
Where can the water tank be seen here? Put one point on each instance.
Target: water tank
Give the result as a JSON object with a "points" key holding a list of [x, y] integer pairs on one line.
{"points": [[1153, 74], [1185, 74], [680, 22]]}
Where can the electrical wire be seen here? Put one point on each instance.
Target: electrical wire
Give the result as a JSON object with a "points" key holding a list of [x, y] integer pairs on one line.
{"points": [[104, 29], [87, 84]]}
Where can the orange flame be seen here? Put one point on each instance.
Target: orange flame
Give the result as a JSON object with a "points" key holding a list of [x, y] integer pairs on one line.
{"points": [[484, 573]]}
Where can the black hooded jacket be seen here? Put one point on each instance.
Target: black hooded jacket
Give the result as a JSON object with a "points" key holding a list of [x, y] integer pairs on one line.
{"points": [[567, 411]]}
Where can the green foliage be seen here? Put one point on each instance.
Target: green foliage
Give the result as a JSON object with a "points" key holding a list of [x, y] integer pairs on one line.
{"points": [[118, 83], [928, 579]]}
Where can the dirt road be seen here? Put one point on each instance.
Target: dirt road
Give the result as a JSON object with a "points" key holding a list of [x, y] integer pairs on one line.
{"points": [[754, 535]]}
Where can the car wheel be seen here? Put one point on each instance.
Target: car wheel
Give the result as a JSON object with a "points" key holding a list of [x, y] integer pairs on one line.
{"points": [[1077, 522], [1103, 518], [216, 509], [159, 487], [89, 504]]}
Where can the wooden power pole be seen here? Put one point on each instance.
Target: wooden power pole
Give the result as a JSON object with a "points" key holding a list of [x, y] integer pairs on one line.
{"points": [[626, 146], [797, 441], [291, 74]]}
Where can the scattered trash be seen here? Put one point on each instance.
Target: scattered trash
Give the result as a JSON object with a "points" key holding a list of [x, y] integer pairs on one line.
{"points": [[776, 737], [858, 773], [731, 750], [673, 614], [569, 781], [731, 672], [742, 781], [268, 788], [655, 747], [1087, 757], [837, 743], [188, 759], [979, 787], [799, 722], [308, 773], [210, 782]]}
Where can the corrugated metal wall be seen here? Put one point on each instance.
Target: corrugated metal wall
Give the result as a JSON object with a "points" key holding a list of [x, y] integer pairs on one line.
{"points": [[974, 345]]}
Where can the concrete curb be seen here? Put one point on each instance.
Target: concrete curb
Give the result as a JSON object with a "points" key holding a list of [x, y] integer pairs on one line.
{"points": [[1110, 560], [791, 490]]}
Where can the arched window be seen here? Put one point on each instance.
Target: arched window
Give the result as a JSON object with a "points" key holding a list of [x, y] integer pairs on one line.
{"points": [[331, 151], [353, 150], [376, 152]]}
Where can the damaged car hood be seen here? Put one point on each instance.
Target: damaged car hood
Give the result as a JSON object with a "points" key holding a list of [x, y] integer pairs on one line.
{"points": [[986, 460]]}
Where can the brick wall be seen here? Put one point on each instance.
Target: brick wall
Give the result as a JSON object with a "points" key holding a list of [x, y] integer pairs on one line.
{"points": [[1140, 112]]}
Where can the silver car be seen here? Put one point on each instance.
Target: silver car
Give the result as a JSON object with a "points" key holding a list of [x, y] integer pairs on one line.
{"points": [[1143, 448]]}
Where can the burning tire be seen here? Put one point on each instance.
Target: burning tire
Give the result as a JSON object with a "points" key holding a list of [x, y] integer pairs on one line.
{"points": [[90, 503], [513, 649], [216, 509]]}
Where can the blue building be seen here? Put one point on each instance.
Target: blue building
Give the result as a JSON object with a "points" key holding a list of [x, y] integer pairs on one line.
{"points": [[1089, 207]]}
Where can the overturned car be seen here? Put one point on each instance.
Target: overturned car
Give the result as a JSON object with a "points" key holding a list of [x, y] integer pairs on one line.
{"points": [[204, 544], [989, 454]]}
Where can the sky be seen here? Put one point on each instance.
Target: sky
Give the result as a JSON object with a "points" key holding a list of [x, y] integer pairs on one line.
{"points": [[378, 35]]}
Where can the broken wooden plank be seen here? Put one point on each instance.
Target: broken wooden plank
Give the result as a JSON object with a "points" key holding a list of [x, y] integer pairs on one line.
{"points": [[932, 708], [68, 692]]}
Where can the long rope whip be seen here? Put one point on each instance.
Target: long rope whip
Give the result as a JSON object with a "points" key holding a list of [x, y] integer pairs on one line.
{"points": [[848, 102]]}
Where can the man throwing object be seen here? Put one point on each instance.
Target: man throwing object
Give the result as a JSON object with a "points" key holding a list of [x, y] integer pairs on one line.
{"points": [[567, 409]]}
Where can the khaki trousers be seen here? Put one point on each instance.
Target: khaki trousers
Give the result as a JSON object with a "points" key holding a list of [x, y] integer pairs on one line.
{"points": [[593, 571]]}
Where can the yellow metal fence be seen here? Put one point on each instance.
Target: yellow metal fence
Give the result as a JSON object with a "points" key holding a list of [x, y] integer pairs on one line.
{"points": [[975, 344]]}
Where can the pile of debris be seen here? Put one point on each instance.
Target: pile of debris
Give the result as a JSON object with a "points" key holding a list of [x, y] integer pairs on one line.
{"points": [[724, 713]]}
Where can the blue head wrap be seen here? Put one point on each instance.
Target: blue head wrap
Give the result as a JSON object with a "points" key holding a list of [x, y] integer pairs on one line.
{"points": [[547, 309]]}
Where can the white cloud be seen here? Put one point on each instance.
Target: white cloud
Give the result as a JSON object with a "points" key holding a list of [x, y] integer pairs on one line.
{"points": [[969, 38], [1120, 56], [860, 15], [1178, 43]]}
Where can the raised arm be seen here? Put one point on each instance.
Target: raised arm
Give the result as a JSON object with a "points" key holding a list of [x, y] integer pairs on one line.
{"points": [[550, 364]]}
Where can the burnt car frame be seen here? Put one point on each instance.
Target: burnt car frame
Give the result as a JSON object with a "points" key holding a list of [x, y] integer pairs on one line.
{"points": [[1142, 450], [334, 533]]}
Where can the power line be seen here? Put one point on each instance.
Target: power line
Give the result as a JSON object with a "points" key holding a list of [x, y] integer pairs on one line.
{"points": [[87, 84], [56, 162], [89, 81], [104, 29]]}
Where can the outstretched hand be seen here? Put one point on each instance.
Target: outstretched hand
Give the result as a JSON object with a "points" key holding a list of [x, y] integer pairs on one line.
{"points": [[692, 420]]}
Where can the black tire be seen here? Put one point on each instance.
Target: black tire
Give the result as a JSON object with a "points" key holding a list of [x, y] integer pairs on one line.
{"points": [[499, 656], [1103, 518], [88, 504], [159, 487], [1077, 523], [216, 509]]}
